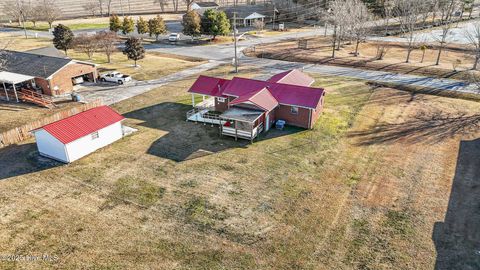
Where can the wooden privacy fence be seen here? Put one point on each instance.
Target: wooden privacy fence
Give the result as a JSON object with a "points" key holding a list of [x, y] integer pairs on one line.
{"points": [[21, 133]]}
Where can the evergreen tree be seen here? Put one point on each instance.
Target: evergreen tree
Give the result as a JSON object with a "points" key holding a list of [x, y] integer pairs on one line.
{"points": [[215, 23], [128, 25], [134, 49], [115, 24], [142, 26], [192, 24], [156, 27], [62, 37]]}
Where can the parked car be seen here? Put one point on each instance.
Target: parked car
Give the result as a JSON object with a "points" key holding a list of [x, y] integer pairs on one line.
{"points": [[174, 37], [115, 77]]}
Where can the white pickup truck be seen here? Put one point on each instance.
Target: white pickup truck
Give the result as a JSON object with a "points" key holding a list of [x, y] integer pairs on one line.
{"points": [[115, 77]]}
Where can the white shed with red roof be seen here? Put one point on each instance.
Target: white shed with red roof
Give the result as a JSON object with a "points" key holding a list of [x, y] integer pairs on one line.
{"points": [[79, 135]]}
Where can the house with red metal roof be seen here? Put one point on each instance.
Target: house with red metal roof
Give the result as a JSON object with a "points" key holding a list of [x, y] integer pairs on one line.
{"points": [[76, 136], [246, 107]]}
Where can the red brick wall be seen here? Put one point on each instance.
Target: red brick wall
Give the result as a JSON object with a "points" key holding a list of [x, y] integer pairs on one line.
{"points": [[63, 78], [301, 119]]}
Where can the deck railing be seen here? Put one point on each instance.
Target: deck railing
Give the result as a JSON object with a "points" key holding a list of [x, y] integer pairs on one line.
{"points": [[244, 134]]}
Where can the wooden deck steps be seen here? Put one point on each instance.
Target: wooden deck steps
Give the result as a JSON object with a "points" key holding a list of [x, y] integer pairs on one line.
{"points": [[36, 98]]}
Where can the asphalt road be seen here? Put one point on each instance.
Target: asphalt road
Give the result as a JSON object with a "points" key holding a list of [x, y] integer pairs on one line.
{"points": [[226, 53]]}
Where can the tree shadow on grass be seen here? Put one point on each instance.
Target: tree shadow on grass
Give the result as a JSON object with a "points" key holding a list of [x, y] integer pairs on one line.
{"points": [[185, 140], [422, 128], [457, 238], [17, 160]]}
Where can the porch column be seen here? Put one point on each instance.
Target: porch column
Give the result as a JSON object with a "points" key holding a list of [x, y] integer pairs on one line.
{"points": [[203, 97], [5, 89], [15, 91], [193, 100]]}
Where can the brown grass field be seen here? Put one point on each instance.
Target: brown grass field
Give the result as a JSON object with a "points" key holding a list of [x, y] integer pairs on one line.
{"points": [[319, 51], [386, 180]]}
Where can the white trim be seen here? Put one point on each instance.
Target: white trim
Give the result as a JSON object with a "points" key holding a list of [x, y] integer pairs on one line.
{"points": [[293, 105]]}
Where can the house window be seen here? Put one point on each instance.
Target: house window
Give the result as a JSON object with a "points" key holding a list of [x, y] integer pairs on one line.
{"points": [[95, 135], [294, 110], [221, 100]]}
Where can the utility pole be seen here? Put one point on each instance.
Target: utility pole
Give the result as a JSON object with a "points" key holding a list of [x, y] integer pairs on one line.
{"points": [[235, 39], [273, 18]]}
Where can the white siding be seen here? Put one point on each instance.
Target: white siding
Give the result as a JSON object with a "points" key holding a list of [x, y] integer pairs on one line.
{"points": [[49, 146], [86, 145]]}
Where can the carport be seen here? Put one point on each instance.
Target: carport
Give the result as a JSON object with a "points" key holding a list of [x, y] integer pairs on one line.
{"points": [[13, 79]]}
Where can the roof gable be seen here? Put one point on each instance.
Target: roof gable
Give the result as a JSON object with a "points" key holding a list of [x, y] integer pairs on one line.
{"points": [[82, 124], [293, 77], [262, 99]]}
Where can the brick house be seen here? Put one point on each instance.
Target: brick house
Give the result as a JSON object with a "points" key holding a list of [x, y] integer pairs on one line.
{"points": [[246, 107], [51, 72]]}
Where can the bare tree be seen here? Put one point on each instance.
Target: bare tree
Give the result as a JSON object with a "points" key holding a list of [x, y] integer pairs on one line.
{"points": [[447, 9], [13, 9], [473, 37], [175, 5], [107, 42], [100, 6], [48, 11], [109, 7], [388, 7], [92, 7], [87, 44], [360, 17], [339, 16], [162, 3], [408, 13]]}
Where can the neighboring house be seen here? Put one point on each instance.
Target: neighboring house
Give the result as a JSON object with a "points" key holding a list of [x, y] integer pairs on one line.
{"points": [[247, 15], [201, 7], [79, 135], [47, 70], [246, 107]]}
